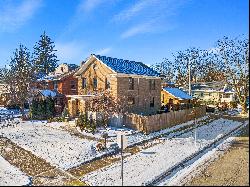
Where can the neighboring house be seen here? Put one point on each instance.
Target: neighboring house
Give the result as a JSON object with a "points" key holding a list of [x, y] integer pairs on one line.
{"points": [[61, 79], [137, 85], [214, 94], [170, 95], [60, 99], [166, 83]]}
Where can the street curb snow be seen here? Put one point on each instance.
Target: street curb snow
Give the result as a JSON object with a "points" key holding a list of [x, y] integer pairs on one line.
{"points": [[192, 158]]}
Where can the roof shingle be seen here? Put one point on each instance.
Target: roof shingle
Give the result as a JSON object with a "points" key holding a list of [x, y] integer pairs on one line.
{"points": [[126, 66]]}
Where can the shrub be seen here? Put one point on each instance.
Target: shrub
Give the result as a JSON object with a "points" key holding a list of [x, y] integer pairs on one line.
{"points": [[233, 104], [65, 112], [85, 124], [55, 119]]}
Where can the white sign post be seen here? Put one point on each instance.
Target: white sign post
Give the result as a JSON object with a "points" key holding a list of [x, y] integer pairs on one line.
{"points": [[122, 142]]}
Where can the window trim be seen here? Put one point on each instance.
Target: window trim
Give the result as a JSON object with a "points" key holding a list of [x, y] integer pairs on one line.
{"points": [[84, 80], [131, 83], [95, 83]]}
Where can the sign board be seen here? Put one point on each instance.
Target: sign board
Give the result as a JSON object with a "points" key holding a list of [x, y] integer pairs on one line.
{"points": [[121, 137]]}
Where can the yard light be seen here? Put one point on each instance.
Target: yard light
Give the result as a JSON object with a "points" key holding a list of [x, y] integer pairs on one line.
{"points": [[122, 142], [193, 113]]}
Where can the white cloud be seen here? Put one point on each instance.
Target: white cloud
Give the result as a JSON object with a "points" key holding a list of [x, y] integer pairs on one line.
{"points": [[132, 11], [138, 29], [104, 51], [89, 5], [71, 52], [14, 16], [148, 16]]}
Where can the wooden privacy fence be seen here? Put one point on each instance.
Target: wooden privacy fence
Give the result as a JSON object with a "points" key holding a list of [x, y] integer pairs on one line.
{"points": [[148, 124]]}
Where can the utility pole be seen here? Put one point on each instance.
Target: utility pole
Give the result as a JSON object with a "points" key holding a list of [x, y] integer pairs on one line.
{"points": [[122, 158], [189, 78], [195, 137]]}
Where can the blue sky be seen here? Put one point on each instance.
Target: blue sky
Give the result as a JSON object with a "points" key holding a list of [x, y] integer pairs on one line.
{"points": [[139, 30]]}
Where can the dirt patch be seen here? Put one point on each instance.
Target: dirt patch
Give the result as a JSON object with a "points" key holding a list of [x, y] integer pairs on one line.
{"points": [[42, 172], [230, 169], [23, 159]]}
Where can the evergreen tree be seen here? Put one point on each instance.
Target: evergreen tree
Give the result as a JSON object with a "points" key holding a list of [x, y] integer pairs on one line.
{"points": [[45, 58], [19, 77], [50, 107], [33, 109]]}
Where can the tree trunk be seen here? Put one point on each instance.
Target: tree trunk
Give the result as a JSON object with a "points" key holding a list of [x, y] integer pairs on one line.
{"points": [[244, 107], [22, 110]]}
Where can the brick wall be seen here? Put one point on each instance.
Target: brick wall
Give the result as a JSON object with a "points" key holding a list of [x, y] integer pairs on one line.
{"points": [[141, 93], [119, 86]]}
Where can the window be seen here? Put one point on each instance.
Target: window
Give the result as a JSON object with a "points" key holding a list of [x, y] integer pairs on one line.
{"points": [[152, 102], [94, 67], [107, 84], [62, 69], [226, 95], [73, 85], [55, 85], [84, 83], [131, 83], [131, 100], [152, 84], [163, 97], [95, 83]]}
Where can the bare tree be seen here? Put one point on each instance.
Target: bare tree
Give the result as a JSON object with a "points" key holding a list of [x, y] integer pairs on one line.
{"points": [[183, 59], [166, 68], [234, 54], [107, 105]]}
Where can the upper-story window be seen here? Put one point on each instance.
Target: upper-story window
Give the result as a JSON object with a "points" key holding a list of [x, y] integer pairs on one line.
{"points": [[152, 84], [130, 83], [95, 83], [84, 83], [73, 85], [61, 69], [107, 84], [94, 67], [152, 102]]}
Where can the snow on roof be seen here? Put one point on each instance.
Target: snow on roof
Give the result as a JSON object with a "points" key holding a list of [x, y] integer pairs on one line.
{"points": [[176, 92], [127, 67], [47, 93]]}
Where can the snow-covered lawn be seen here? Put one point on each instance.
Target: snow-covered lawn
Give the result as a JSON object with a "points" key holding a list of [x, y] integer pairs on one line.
{"points": [[54, 145], [111, 131], [150, 163], [184, 175], [10, 175], [134, 138]]}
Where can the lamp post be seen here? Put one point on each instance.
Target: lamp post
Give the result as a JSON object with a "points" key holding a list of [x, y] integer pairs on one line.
{"points": [[122, 142], [193, 113]]}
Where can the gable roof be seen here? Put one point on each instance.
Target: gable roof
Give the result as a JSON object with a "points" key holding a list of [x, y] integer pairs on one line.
{"points": [[50, 93], [176, 92], [126, 66]]}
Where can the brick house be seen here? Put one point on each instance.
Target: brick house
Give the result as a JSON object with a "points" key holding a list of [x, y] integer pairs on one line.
{"points": [[136, 84], [61, 79]]}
